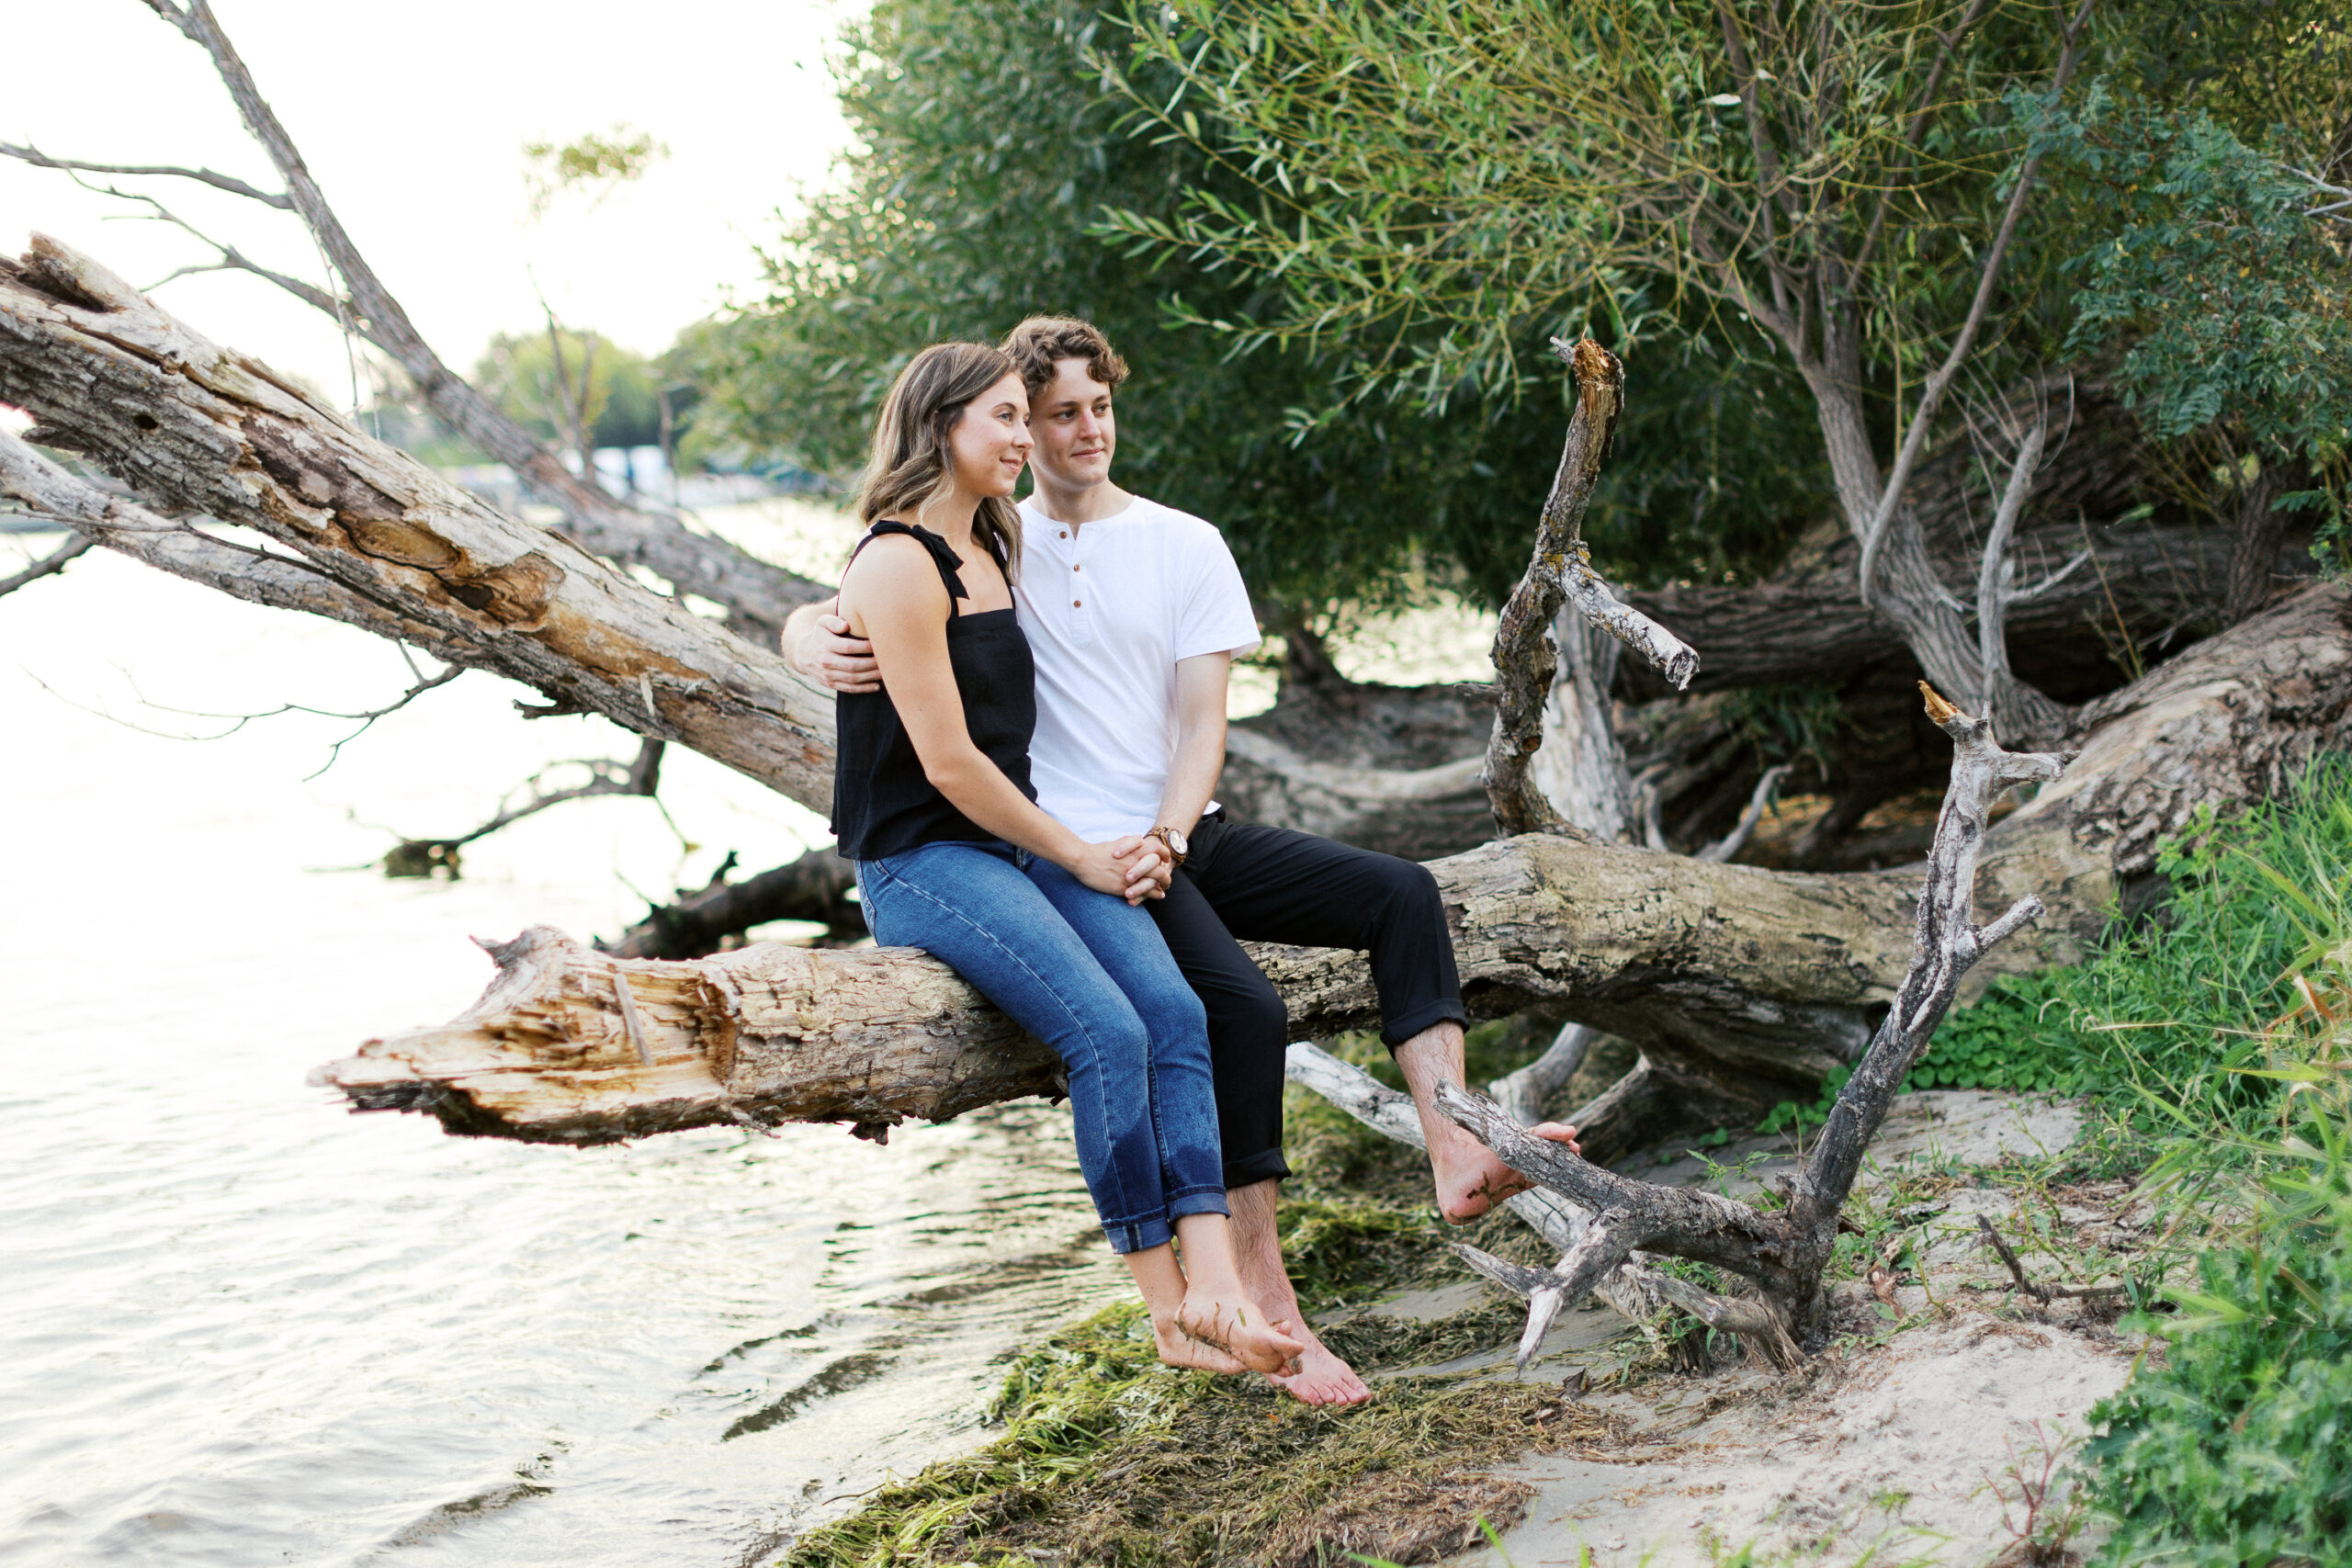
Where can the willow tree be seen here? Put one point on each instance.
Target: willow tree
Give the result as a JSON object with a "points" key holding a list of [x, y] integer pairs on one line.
{"points": [[1853, 189]]}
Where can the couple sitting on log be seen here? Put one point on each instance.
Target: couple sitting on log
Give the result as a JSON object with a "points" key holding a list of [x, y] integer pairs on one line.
{"points": [[1031, 707]]}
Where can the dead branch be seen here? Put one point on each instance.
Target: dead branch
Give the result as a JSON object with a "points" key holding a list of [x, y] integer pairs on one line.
{"points": [[2042, 1293], [228, 183], [814, 888], [1561, 571], [49, 565], [257, 577], [756, 594], [607, 776], [1783, 1254]]}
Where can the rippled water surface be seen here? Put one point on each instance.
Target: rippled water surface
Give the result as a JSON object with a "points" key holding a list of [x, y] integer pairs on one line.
{"points": [[238, 1326]]}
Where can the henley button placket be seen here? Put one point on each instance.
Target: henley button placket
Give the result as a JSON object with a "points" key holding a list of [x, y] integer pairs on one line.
{"points": [[1082, 625]]}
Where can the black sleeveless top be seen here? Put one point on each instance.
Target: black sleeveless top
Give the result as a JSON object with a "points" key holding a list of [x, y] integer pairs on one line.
{"points": [[882, 803]]}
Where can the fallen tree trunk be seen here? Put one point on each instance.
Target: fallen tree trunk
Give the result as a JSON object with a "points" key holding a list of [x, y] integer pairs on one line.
{"points": [[1775, 973], [756, 594], [206, 430], [1741, 987]]}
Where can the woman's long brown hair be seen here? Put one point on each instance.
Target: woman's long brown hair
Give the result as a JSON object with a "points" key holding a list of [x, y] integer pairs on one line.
{"points": [[911, 466]]}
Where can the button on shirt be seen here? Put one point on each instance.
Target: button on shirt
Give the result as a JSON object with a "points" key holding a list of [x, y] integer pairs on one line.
{"points": [[1110, 607]]}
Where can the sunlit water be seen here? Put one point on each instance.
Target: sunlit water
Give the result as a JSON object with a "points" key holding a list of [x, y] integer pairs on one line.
{"points": [[238, 1326]]}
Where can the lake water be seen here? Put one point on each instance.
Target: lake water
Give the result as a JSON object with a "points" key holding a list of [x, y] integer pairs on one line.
{"points": [[239, 1325]]}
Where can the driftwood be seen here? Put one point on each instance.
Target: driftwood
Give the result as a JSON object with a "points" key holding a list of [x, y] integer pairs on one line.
{"points": [[814, 888], [1781, 1253]]}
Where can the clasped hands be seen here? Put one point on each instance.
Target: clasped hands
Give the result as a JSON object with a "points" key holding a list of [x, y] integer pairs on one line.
{"points": [[1133, 866]]}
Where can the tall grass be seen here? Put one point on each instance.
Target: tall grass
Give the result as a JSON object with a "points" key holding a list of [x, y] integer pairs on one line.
{"points": [[2174, 1025]]}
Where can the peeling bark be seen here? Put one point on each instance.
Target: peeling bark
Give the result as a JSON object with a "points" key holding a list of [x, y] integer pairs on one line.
{"points": [[183, 422], [1561, 572]]}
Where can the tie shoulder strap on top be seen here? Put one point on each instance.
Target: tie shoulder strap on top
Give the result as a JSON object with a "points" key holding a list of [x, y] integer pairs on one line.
{"points": [[948, 562]]}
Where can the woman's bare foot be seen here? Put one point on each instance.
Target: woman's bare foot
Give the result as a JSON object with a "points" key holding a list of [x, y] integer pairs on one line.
{"points": [[1231, 1322], [1178, 1349], [1322, 1378]]}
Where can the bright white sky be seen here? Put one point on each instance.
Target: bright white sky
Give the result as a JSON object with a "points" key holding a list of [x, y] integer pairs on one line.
{"points": [[413, 117]]}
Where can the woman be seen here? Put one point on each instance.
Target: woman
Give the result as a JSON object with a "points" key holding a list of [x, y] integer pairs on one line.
{"points": [[932, 799]]}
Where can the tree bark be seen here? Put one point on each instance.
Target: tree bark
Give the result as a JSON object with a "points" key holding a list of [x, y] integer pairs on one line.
{"points": [[208, 431]]}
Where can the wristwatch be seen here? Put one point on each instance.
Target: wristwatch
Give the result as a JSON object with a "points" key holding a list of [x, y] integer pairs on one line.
{"points": [[1175, 841]]}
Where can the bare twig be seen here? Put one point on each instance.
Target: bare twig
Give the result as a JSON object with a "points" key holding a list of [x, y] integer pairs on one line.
{"points": [[228, 183], [2042, 1293], [48, 565]]}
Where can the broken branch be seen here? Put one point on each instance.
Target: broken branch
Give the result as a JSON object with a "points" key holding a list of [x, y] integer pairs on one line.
{"points": [[1561, 571]]}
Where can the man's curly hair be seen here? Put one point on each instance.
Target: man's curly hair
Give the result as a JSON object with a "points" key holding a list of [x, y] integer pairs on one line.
{"points": [[1039, 343]]}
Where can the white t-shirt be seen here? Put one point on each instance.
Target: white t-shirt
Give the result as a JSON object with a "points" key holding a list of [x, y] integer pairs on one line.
{"points": [[1110, 607]]}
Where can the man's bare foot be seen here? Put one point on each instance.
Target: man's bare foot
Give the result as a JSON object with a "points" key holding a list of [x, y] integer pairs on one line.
{"points": [[1471, 1177], [1233, 1323], [1322, 1378], [1179, 1349]]}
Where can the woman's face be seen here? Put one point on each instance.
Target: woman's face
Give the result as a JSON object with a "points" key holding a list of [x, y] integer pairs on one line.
{"points": [[989, 442]]}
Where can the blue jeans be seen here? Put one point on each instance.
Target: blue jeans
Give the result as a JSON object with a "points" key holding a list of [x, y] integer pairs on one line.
{"points": [[1089, 974]]}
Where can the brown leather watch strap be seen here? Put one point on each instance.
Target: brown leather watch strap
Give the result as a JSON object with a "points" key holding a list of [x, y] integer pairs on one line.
{"points": [[1162, 833]]}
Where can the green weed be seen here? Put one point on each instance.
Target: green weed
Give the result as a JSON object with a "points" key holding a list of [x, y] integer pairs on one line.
{"points": [[1108, 1458]]}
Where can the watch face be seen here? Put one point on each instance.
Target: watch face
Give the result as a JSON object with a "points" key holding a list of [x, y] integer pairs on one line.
{"points": [[1176, 842]]}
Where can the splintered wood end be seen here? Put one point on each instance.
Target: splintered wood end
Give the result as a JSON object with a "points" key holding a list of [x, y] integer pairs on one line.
{"points": [[1939, 712]]}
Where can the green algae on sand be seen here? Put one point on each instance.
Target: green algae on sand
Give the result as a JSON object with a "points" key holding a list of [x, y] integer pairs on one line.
{"points": [[1110, 1458]]}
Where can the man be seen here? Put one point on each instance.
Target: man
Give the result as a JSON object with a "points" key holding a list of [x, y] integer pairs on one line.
{"points": [[1134, 613]]}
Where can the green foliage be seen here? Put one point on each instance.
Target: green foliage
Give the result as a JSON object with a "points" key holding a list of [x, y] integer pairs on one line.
{"points": [[2164, 1022], [989, 143], [2237, 1448], [1435, 185], [594, 165], [2228, 293]]}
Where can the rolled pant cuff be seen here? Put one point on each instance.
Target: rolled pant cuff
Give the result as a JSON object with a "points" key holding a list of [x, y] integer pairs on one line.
{"points": [[1159, 1230], [1394, 1032], [1266, 1166]]}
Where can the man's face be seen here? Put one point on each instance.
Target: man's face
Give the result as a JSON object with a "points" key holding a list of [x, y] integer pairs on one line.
{"points": [[1075, 429]]}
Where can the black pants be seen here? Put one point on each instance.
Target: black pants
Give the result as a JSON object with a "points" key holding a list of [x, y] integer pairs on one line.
{"points": [[1242, 883]]}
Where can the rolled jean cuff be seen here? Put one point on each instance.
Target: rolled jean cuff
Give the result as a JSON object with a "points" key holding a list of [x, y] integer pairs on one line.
{"points": [[1159, 1230], [1394, 1032]]}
